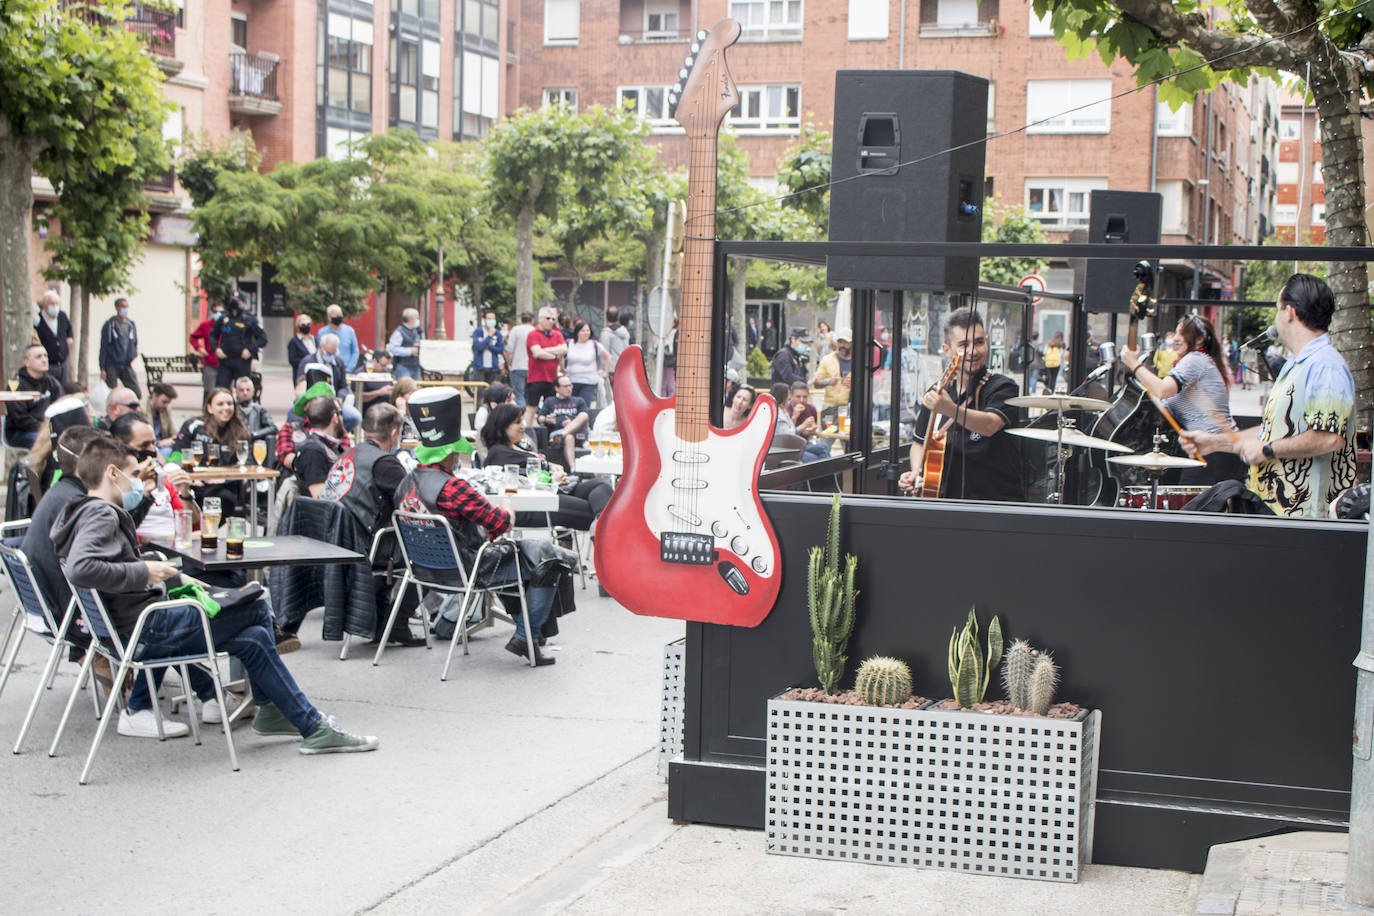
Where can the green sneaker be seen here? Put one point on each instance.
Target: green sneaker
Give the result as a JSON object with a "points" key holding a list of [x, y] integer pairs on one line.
{"points": [[269, 722], [328, 738]]}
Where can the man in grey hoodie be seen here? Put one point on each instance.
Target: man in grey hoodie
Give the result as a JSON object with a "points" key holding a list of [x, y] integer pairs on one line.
{"points": [[95, 538]]}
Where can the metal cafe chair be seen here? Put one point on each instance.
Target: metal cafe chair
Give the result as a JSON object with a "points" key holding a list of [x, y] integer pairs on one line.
{"points": [[433, 563], [12, 535], [105, 641], [33, 611], [377, 540]]}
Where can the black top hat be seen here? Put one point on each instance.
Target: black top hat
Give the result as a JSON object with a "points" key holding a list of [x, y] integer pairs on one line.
{"points": [[438, 417]]}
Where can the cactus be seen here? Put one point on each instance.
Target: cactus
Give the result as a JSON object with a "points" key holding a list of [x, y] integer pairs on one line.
{"points": [[830, 597], [1044, 678], [883, 681], [969, 667], [1016, 673]]}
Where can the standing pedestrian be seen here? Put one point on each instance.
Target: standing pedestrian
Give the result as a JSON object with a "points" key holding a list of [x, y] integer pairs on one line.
{"points": [[404, 345], [301, 349], [487, 347], [119, 349], [348, 340], [236, 339], [200, 347], [517, 357], [546, 347], [54, 331]]}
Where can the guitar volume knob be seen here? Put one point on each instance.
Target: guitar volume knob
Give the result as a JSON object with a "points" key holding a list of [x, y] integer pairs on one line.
{"points": [[760, 565], [718, 529], [739, 545]]}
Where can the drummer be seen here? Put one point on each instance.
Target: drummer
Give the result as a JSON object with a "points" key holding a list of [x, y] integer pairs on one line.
{"points": [[981, 460], [1197, 392]]}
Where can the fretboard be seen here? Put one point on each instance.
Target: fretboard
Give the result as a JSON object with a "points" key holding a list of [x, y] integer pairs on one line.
{"points": [[694, 313]]}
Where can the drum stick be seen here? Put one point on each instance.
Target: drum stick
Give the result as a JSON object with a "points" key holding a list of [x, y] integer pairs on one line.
{"points": [[1170, 417]]}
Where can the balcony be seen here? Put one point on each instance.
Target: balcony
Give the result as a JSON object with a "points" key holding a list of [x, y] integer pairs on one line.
{"points": [[156, 28], [253, 84]]}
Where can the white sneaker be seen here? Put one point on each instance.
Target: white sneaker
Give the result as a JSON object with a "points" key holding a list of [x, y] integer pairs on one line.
{"points": [[211, 714], [143, 724]]}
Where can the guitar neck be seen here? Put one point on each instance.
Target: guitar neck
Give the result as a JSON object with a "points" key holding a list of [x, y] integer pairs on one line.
{"points": [[698, 276]]}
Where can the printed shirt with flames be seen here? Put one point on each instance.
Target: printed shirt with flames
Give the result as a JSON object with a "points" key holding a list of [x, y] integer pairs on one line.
{"points": [[1314, 390], [458, 500]]}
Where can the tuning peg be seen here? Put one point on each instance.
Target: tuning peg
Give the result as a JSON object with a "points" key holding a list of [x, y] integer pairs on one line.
{"points": [[682, 74]]}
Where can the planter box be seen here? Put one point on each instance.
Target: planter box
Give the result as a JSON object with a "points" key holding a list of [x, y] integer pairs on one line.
{"points": [[670, 709], [928, 788]]}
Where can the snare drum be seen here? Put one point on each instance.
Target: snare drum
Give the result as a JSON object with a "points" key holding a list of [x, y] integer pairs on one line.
{"points": [[1170, 498]]}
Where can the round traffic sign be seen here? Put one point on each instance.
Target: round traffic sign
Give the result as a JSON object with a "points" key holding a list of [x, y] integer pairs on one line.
{"points": [[1034, 281]]}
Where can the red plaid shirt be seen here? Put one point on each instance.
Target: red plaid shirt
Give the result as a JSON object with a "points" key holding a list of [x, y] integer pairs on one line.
{"points": [[458, 500]]}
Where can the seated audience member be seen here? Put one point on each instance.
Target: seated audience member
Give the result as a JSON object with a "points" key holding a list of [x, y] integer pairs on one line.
{"points": [[741, 402], [160, 398], [94, 537], [364, 480], [495, 394], [119, 402], [22, 418], [216, 431], [167, 488], [432, 488], [255, 416], [36, 471], [37, 545], [329, 358], [378, 392], [605, 420], [802, 412], [314, 384], [400, 394], [783, 425], [566, 419], [324, 443], [577, 507]]}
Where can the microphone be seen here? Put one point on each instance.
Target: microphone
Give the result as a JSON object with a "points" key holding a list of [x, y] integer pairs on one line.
{"points": [[1260, 341]]}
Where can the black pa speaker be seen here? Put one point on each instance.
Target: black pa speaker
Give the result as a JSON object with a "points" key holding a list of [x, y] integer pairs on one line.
{"points": [[1118, 217], [908, 152]]}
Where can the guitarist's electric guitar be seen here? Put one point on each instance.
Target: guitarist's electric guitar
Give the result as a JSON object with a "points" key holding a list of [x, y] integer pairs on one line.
{"points": [[933, 454], [684, 534]]}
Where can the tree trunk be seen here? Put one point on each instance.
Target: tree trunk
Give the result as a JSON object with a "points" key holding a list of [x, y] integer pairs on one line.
{"points": [[577, 282], [16, 213], [1342, 174], [739, 268], [479, 276], [524, 250], [78, 364]]}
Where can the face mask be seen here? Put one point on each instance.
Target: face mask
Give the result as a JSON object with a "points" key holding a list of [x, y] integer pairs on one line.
{"points": [[52, 311], [801, 349], [123, 313], [336, 320], [303, 328], [217, 314], [132, 497], [491, 322]]}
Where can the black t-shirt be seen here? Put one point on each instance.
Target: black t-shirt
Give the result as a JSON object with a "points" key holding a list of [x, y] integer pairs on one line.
{"points": [[387, 474], [981, 467], [312, 464]]}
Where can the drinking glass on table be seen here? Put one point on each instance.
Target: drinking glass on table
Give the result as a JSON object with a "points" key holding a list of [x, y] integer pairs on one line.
{"points": [[183, 525], [614, 443], [209, 524], [241, 451], [512, 478], [234, 533], [259, 450], [190, 456], [532, 468]]}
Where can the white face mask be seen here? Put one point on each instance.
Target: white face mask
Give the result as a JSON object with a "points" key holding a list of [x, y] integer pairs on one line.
{"points": [[52, 311]]}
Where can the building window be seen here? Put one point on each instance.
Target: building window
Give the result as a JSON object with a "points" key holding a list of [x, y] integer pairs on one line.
{"points": [[992, 97], [238, 31], [1068, 106], [476, 104], [1169, 123], [1290, 129], [660, 18], [479, 21], [867, 20], [566, 97], [346, 77], [1174, 212], [426, 11], [1040, 25], [415, 85], [1285, 214], [768, 20], [1061, 202], [1319, 213], [648, 104], [336, 140], [1317, 173], [771, 108], [560, 22], [956, 14]]}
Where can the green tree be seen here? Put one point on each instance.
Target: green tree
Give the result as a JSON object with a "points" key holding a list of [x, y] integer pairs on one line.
{"points": [[804, 172], [202, 161], [76, 100], [1329, 58], [1005, 223], [543, 162]]}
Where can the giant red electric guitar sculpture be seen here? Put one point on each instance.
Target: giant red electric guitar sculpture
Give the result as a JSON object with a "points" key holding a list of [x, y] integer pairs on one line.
{"points": [[684, 534]]}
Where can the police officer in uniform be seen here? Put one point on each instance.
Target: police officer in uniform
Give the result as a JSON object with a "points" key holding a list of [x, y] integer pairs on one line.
{"points": [[236, 339]]}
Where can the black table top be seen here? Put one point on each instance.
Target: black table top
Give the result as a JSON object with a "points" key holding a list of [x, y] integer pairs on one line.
{"points": [[258, 553]]}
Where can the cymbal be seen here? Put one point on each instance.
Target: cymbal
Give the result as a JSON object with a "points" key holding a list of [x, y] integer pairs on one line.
{"points": [[1058, 402], [1072, 438], [1156, 461]]}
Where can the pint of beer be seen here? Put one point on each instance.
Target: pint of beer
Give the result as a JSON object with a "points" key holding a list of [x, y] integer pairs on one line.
{"points": [[209, 524]]}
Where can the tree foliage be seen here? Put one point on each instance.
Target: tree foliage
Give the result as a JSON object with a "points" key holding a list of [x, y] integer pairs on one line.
{"points": [[1324, 46], [804, 173], [202, 161], [81, 105], [1012, 224]]}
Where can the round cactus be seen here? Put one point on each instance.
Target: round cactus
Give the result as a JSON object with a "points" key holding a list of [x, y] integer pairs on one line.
{"points": [[1016, 673], [883, 681]]}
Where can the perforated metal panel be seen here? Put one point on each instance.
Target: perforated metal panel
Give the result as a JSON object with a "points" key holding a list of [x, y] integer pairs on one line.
{"points": [[1002, 795], [670, 714]]}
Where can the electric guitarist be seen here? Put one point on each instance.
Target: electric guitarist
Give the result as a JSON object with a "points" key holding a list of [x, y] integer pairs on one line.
{"points": [[981, 460]]}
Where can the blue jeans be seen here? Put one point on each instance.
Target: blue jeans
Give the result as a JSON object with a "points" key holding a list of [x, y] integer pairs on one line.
{"points": [[401, 370], [586, 391], [539, 601], [517, 383], [20, 439], [244, 632]]}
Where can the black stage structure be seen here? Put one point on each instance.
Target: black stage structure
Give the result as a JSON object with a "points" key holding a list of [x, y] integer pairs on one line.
{"points": [[1218, 647]]}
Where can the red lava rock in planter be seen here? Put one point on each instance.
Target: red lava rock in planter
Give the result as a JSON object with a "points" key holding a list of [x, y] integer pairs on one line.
{"points": [[844, 698], [1004, 708]]}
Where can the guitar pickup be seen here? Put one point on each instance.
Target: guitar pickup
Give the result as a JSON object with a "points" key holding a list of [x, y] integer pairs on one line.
{"points": [[684, 547]]}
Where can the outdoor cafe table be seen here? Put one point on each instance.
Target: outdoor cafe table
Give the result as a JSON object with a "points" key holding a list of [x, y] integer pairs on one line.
{"points": [[613, 465], [220, 474]]}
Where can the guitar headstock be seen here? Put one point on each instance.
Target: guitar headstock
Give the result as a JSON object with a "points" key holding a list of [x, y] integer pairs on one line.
{"points": [[705, 91], [1142, 304]]}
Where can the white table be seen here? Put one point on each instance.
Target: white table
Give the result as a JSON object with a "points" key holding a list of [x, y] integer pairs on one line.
{"points": [[590, 464], [6, 396], [526, 499]]}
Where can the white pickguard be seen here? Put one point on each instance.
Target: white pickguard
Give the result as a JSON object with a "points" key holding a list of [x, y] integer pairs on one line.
{"points": [[714, 496]]}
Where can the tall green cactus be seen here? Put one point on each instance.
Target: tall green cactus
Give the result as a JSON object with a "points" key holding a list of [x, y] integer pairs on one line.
{"points": [[1044, 678], [830, 597], [969, 667], [1030, 677], [883, 681]]}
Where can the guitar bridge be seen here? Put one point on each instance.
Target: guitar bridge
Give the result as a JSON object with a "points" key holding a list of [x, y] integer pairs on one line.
{"points": [[684, 547]]}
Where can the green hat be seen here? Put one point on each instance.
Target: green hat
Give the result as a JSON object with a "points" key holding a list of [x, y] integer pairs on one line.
{"points": [[438, 416], [317, 390]]}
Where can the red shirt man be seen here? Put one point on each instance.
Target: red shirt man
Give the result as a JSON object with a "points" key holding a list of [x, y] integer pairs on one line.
{"points": [[545, 347]]}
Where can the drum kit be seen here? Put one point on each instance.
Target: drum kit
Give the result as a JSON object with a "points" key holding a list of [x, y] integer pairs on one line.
{"points": [[1067, 437]]}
